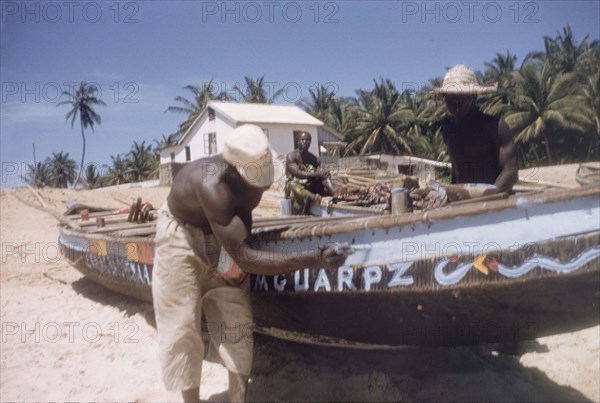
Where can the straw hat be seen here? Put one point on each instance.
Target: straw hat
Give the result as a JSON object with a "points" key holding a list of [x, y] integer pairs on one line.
{"points": [[248, 150], [461, 80]]}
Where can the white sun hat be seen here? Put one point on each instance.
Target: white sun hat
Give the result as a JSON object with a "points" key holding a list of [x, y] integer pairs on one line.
{"points": [[461, 80], [248, 150]]}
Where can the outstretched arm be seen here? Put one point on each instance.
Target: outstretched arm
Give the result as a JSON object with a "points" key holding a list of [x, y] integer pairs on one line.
{"points": [[232, 229], [507, 158]]}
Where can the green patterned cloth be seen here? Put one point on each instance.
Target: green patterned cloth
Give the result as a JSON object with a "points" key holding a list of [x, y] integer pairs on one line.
{"points": [[299, 190]]}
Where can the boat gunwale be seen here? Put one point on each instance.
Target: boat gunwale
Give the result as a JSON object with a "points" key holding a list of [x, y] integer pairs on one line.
{"points": [[104, 237], [368, 222], [298, 227]]}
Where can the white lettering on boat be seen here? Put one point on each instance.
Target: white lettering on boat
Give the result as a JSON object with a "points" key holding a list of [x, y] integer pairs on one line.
{"points": [[399, 269], [371, 275], [279, 282], [344, 276], [445, 272], [261, 282], [322, 281], [298, 286]]}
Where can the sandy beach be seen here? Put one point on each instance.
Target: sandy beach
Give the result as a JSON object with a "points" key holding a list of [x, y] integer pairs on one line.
{"points": [[64, 338]]}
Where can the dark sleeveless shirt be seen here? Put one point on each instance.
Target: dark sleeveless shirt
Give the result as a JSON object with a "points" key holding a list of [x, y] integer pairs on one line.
{"points": [[473, 147]]}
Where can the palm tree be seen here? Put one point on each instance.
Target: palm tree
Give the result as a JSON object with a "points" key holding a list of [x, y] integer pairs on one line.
{"points": [[92, 177], [164, 142], [500, 71], [501, 68], [255, 92], [378, 117], [565, 55], [194, 108], [117, 171], [82, 103], [141, 162], [38, 174], [544, 104], [435, 147], [591, 89], [422, 122], [322, 105], [62, 169]]}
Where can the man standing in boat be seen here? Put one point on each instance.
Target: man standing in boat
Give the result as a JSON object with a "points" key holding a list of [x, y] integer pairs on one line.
{"points": [[480, 146], [306, 180], [205, 225]]}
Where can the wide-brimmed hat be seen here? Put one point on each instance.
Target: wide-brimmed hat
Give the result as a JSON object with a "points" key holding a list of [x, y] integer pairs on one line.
{"points": [[461, 80], [248, 150]]}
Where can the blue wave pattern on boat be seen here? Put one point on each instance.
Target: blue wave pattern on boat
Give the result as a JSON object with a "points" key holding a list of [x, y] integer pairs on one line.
{"points": [[396, 275], [537, 260]]}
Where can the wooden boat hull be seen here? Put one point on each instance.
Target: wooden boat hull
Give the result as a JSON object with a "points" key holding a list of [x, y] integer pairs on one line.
{"points": [[123, 265], [499, 272], [409, 306]]}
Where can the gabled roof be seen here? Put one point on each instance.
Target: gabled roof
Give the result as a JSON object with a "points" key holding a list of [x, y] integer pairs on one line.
{"points": [[241, 113], [264, 113]]}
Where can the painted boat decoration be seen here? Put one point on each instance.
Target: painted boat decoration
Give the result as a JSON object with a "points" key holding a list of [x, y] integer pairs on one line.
{"points": [[498, 271]]}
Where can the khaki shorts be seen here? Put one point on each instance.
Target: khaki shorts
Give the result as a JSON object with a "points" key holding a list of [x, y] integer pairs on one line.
{"points": [[183, 288]]}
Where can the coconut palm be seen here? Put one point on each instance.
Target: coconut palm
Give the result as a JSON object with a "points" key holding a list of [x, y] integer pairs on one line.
{"points": [[142, 162], [92, 177], [116, 172], [564, 54], [82, 103], [322, 104], [164, 142], [435, 147], [422, 123], [61, 169], [378, 118], [500, 69], [591, 89], [193, 109], [501, 72], [255, 92], [38, 174], [544, 105]]}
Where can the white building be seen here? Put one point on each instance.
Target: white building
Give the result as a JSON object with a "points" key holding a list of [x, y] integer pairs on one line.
{"points": [[281, 123]]}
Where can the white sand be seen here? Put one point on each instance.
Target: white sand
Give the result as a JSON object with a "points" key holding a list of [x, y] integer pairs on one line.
{"points": [[65, 338]]}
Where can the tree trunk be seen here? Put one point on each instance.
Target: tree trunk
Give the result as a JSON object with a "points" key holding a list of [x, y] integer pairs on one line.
{"points": [[547, 141], [82, 159]]}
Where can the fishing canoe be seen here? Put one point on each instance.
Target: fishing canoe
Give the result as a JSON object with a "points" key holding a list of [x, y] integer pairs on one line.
{"points": [[495, 271]]}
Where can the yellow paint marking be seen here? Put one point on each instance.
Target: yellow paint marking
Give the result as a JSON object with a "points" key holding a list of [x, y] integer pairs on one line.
{"points": [[478, 264]]}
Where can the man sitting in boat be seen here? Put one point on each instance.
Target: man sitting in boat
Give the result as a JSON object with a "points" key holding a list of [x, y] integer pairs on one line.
{"points": [[205, 223], [480, 146], [306, 180]]}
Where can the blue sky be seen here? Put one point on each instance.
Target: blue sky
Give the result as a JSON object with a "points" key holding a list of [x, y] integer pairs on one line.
{"points": [[141, 54]]}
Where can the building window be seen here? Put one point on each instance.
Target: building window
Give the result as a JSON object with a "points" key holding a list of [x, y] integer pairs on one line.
{"points": [[172, 157], [211, 114], [210, 143], [188, 154]]}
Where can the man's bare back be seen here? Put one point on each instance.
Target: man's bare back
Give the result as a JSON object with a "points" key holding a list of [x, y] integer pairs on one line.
{"points": [[209, 179], [210, 194]]}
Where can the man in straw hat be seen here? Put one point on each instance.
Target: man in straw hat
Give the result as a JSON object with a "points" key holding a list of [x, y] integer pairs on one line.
{"points": [[205, 225], [481, 146]]}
